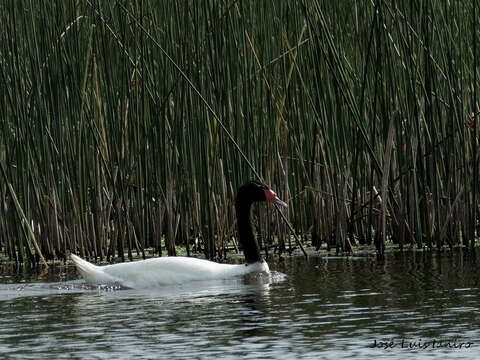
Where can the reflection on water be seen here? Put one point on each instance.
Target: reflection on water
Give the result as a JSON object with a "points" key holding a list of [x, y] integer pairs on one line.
{"points": [[409, 306]]}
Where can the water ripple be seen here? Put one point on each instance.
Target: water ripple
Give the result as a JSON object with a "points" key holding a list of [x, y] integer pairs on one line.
{"points": [[326, 308]]}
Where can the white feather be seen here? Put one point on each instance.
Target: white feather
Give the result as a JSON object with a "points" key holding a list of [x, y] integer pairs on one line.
{"points": [[162, 271]]}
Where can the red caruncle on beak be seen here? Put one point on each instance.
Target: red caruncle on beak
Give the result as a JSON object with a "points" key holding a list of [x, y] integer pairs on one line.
{"points": [[270, 196]]}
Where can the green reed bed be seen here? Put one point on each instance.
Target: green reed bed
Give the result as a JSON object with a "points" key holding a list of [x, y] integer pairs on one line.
{"points": [[127, 126]]}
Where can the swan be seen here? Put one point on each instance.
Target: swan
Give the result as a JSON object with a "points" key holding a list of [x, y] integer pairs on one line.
{"points": [[178, 270]]}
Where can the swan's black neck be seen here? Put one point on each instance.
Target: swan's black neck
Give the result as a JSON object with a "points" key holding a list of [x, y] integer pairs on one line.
{"points": [[245, 231]]}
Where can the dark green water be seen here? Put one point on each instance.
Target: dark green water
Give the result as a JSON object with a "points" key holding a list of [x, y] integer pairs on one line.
{"points": [[326, 308]]}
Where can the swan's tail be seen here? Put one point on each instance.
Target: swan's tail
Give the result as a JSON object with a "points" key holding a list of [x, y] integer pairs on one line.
{"points": [[91, 273]]}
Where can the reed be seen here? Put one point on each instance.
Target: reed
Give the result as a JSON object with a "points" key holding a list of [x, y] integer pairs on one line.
{"points": [[127, 126]]}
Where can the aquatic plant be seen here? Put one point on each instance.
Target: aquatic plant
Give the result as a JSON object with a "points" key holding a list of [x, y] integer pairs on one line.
{"points": [[124, 124]]}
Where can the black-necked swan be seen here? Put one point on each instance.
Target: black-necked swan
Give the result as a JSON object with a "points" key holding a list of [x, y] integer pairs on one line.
{"points": [[177, 270]]}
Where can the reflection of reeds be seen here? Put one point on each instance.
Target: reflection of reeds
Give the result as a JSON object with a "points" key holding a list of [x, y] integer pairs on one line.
{"points": [[357, 113]]}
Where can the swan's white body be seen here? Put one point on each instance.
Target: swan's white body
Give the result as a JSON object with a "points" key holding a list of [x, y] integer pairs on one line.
{"points": [[179, 270], [162, 271]]}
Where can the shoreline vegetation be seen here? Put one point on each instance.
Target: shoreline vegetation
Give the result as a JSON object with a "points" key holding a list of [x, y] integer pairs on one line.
{"points": [[128, 126]]}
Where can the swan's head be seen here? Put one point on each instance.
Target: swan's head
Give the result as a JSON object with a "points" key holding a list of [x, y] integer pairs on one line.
{"points": [[254, 191]]}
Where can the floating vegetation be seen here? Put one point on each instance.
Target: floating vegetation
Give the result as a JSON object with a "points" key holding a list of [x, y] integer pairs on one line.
{"points": [[124, 124]]}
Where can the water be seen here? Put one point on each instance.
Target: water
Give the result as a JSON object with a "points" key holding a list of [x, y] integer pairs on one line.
{"points": [[326, 308]]}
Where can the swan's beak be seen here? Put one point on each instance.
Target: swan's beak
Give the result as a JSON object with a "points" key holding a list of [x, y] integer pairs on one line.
{"points": [[280, 202], [272, 197]]}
